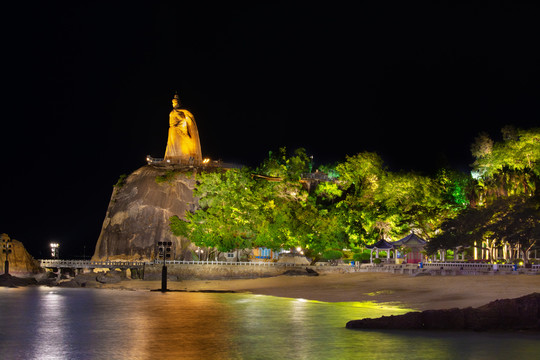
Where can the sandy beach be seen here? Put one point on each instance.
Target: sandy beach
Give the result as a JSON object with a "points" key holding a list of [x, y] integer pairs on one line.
{"points": [[420, 293]]}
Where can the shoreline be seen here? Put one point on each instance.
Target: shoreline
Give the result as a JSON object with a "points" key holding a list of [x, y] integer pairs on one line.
{"points": [[411, 292], [418, 293]]}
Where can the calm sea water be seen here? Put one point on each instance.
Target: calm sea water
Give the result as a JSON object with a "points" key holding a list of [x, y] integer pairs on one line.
{"points": [[56, 323]]}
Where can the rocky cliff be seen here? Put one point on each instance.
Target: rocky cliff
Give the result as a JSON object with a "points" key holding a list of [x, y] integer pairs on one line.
{"points": [[20, 261], [139, 211]]}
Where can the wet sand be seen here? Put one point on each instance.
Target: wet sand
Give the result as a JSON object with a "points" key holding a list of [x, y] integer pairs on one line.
{"points": [[421, 293]]}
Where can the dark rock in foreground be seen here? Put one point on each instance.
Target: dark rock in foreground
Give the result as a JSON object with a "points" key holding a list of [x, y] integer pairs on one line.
{"points": [[13, 281], [305, 272], [110, 277], [508, 314]]}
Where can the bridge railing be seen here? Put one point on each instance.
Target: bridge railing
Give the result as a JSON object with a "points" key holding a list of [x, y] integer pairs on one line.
{"points": [[96, 264], [437, 265], [86, 263]]}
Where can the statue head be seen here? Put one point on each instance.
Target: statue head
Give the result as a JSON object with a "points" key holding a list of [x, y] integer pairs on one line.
{"points": [[176, 101]]}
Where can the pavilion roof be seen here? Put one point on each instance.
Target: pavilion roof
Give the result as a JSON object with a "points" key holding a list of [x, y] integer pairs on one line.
{"points": [[411, 240], [381, 245]]}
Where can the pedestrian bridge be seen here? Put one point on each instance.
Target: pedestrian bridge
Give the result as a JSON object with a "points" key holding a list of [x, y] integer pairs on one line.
{"points": [[86, 264]]}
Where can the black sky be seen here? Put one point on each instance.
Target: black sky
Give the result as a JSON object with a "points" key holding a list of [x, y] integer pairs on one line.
{"points": [[88, 89]]}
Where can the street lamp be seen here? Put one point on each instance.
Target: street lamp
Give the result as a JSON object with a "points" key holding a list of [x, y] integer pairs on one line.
{"points": [[54, 250], [199, 252], [164, 252], [6, 249]]}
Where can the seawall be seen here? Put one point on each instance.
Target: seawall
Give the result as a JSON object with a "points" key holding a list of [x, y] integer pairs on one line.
{"points": [[219, 272]]}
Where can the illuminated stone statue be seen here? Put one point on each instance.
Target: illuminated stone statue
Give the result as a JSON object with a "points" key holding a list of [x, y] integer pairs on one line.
{"points": [[183, 144]]}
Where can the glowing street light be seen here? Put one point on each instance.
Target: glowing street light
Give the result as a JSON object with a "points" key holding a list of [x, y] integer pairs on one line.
{"points": [[54, 250], [199, 252]]}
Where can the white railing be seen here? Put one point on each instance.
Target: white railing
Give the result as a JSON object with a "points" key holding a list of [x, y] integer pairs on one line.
{"points": [[97, 264], [86, 263], [213, 262], [469, 266], [189, 162]]}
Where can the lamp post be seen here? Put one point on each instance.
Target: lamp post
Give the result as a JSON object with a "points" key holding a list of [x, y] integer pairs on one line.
{"points": [[199, 252], [6, 249], [54, 250], [164, 252]]}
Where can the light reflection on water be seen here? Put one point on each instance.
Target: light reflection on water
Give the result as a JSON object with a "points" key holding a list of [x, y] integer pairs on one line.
{"points": [[54, 323]]}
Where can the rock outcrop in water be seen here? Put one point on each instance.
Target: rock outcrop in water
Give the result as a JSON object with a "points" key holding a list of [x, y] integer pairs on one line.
{"points": [[139, 212], [508, 314]]}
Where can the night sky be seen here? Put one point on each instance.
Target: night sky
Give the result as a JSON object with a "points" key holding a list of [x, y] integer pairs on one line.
{"points": [[88, 91]]}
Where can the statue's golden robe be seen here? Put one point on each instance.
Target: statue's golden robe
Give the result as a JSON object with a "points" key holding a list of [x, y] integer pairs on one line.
{"points": [[183, 144]]}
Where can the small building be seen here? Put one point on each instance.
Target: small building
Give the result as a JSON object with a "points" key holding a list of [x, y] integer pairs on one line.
{"points": [[381, 245], [262, 254], [414, 245]]}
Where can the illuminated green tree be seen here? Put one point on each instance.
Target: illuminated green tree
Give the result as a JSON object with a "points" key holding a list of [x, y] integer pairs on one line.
{"points": [[382, 203], [504, 200], [360, 174], [240, 209], [514, 220], [270, 207], [228, 211], [519, 151], [412, 201], [359, 178], [280, 165], [328, 192], [278, 221], [456, 188], [508, 167]]}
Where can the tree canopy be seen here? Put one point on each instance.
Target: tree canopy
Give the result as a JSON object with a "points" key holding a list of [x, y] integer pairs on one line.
{"points": [[519, 151], [277, 205], [271, 206], [504, 199], [383, 204], [508, 167], [514, 220]]}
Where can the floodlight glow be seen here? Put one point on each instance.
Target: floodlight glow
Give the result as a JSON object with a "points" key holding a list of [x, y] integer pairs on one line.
{"points": [[476, 174], [54, 249]]}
